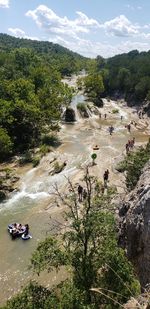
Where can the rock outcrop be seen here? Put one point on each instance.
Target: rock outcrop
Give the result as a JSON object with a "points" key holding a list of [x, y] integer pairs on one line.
{"points": [[8, 182], [69, 115], [134, 226]]}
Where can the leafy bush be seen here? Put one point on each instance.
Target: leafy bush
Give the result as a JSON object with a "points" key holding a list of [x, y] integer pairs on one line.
{"points": [[81, 107], [5, 144], [51, 140], [133, 165], [32, 296], [115, 111], [25, 158], [36, 161], [44, 149]]}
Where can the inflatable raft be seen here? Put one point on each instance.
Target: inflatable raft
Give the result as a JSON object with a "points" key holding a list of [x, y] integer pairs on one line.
{"points": [[19, 229], [96, 148], [26, 237]]}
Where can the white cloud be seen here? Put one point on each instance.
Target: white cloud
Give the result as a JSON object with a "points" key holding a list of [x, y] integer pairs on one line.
{"points": [[75, 33], [92, 49], [19, 33], [46, 19], [120, 26], [4, 3], [131, 7]]}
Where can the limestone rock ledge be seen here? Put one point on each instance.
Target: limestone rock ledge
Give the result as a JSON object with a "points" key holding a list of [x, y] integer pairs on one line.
{"points": [[134, 226]]}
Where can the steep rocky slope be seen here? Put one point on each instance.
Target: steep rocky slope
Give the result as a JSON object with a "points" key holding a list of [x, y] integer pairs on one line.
{"points": [[134, 226]]}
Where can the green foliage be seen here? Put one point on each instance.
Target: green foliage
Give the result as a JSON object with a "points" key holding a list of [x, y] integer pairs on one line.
{"points": [[5, 144], [33, 296], [81, 107], [36, 160], [115, 111], [94, 87], [118, 281], [93, 156], [90, 250], [133, 165], [44, 149], [31, 92], [51, 140], [48, 255], [127, 75], [25, 158]]}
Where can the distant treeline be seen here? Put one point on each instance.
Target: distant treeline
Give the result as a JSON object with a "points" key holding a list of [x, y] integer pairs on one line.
{"points": [[126, 75]]}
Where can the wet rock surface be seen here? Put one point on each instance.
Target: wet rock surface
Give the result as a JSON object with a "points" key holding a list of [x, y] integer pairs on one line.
{"points": [[8, 182], [134, 226], [70, 115]]}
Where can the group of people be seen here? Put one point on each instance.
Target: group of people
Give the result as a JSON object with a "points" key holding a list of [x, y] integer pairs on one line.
{"points": [[100, 116], [130, 145], [82, 193], [18, 228]]}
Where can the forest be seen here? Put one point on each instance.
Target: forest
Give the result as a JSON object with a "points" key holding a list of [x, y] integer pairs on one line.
{"points": [[31, 92], [126, 75]]}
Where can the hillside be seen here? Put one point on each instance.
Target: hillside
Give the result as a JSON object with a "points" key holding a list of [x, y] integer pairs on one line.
{"points": [[54, 53]]}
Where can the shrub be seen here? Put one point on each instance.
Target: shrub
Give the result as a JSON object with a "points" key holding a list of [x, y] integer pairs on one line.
{"points": [[115, 111], [25, 158], [44, 149], [51, 140], [5, 144], [81, 107], [133, 165], [36, 161]]}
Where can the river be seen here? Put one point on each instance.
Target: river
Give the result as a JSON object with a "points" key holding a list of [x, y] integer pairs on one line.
{"points": [[33, 204]]}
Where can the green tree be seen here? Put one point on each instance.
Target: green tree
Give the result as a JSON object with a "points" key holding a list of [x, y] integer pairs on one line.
{"points": [[5, 144], [88, 246], [94, 87]]}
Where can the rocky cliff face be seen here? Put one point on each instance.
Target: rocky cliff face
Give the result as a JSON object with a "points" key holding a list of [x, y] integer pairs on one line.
{"points": [[134, 226]]}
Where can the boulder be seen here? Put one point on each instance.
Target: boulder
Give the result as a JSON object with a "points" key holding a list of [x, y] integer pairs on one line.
{"points": [[69, 115], [134, 226], [2, 195]]}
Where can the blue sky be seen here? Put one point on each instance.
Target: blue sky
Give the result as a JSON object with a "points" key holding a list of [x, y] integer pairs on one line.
{"points": [[89, 27]]}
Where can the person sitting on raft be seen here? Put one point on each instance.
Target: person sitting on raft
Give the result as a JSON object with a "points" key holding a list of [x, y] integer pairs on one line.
{"points": [[26, 230], [14, 229]]}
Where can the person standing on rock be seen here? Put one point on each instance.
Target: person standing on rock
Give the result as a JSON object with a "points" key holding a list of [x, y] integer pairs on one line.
{"points": [[84, 194], [105, 177], [80, 193], [129, 127], [105, 116], [127, 148]]}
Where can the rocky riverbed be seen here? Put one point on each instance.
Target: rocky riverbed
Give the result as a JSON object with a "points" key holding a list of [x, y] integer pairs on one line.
{"points": [[34, 203]]}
